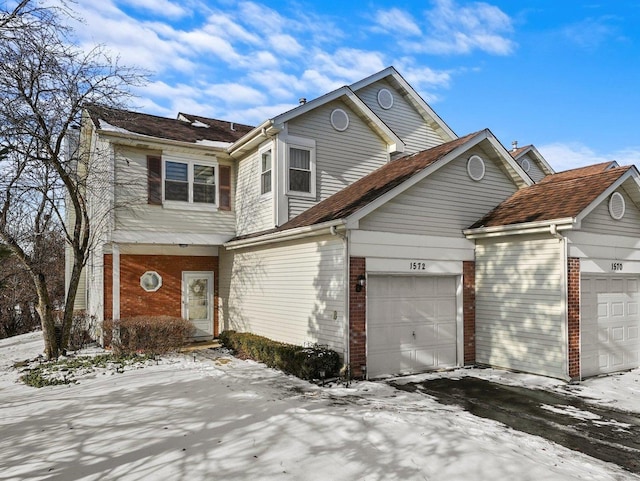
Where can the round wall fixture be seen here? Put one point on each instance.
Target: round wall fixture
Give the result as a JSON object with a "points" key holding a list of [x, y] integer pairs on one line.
{"points": [[385, 98], [150, 281], [525, 164], [475, 167], [339, 120], [616, 206]]}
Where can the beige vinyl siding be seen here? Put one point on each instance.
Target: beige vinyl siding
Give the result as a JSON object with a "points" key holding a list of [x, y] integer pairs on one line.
{"points": [[135, 214], [254, 211], [341, 157], [286, 292], [535, 172], [94, 272], [520, 322], [600, 221], [443, 203], [402, 118]]}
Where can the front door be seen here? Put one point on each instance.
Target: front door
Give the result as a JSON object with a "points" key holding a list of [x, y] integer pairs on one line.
{"points": [[197, 302]]}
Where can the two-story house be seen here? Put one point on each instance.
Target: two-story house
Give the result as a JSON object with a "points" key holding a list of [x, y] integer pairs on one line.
{"points": [[361, 221]]}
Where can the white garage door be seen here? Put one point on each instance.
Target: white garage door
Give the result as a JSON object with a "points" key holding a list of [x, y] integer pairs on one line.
{"points": [[411, 324], [609, 324]]}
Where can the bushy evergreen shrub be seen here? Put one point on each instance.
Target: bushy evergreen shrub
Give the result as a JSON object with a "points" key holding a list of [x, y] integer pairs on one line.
{"points": [[304, 362]]}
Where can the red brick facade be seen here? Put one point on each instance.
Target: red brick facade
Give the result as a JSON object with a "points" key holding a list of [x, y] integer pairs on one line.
{"points": [[167, 300], [573, 315], [357, 317], [469, 311]]}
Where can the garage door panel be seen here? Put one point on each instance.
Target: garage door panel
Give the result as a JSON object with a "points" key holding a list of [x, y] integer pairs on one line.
{"points": [[419, 317], [616, 345]]}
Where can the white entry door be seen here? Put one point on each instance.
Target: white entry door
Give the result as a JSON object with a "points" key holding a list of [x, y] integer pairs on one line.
{"points": [[411, 324], [197, 302], [609, 323]]}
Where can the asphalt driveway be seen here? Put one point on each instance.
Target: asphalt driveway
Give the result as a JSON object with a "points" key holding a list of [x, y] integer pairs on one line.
{"points": [[601, 432]]}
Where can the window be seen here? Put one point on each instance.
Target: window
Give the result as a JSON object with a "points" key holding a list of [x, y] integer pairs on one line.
{"points": [[151, 281], [172, 180], [176, 181], [265, 172], [299, 170]]}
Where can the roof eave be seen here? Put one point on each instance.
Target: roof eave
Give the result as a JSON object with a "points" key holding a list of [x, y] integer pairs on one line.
{"points": [[285, 235], [136, 139], [551, 226], [253, 138]]}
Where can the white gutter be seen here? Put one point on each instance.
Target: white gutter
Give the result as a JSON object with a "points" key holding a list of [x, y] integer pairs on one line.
{"points": [[289, 234], [547, 226], [254, 137]]}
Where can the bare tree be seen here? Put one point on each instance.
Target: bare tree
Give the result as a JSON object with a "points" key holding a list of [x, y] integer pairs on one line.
{"points": [[45, 80]]}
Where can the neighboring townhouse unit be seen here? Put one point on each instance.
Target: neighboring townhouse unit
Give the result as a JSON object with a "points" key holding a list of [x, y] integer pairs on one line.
{"points": [[361, 221]]}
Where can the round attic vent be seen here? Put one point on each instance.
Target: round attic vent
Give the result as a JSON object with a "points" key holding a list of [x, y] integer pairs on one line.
{"points": [[475, 167], [525, 164], [339, 120], [616, 205], [385, 99]]}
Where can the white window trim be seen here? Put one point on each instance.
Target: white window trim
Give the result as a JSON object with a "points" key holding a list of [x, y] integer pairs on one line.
{"points": [[190, 161], [261, 151], [303, 144]]}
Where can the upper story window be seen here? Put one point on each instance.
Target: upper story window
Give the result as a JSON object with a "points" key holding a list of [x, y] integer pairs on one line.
{"points": [[301, 176], [193, 182], [265, 172]]}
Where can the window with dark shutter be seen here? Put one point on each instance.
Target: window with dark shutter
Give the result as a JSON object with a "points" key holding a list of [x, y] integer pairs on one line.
{"points": [[154, 180], [225, 187]]}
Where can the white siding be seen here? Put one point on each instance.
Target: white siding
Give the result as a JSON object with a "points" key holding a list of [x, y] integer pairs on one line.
{"points": [[135, 214], [341, 157], [444, 203], [292, 292], [535, 172], [94, 272], [254, 212], [599, 220], [520, 321], [402, 118]]}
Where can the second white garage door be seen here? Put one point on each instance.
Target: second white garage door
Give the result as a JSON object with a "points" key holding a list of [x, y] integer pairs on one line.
{"points": [[411, 324], [609, 323]]}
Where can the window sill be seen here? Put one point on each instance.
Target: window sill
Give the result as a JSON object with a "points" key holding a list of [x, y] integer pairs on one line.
{"points": [[197, 207]]}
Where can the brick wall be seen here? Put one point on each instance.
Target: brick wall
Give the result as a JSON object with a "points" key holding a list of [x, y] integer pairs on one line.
{"points": [[469, 310], [573, 315], [357, 317], [167, 300]]}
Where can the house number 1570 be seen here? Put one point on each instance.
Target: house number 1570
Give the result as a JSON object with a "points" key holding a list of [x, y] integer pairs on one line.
{"points": [[616, 266], [418, 266]]}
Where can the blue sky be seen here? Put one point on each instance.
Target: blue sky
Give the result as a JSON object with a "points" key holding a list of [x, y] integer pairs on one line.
{"points": [[563, 75]]}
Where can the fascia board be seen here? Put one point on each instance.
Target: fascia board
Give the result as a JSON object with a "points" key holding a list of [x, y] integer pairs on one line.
{"points": [[510, 160], [383, 199], [561, 224], [252, 138], [631, 173], [132, 139], [423, 105]]}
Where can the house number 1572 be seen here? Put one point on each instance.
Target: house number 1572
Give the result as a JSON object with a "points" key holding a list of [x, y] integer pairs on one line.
{"points": [[418, 266]]}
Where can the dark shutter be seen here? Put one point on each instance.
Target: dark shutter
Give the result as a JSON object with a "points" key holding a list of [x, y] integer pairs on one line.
{"points": [[154, 180], [225, 187]]}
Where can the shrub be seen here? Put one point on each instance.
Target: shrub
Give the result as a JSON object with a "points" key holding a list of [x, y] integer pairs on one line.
{"points": [[303, 362], [149, 334]]}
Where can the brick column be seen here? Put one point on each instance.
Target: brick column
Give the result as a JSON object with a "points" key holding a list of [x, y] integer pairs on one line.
{"points": [[469, 311], [357, 317], [573, 315]]}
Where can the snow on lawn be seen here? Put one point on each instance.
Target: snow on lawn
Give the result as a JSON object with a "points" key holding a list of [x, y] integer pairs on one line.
{"points": [[217, 417]]}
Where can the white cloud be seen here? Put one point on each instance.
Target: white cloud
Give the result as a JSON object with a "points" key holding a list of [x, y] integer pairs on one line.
{"points": [[590, 32], [565, 156], [454, 29], [347, 65], [235, 94], [163, 8], [396, 21]]}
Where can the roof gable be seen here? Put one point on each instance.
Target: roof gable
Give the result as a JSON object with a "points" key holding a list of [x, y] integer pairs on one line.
{"points": [[532, 153], [570, 194]]}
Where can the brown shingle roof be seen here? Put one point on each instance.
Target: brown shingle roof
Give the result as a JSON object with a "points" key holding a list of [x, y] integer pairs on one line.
{"points": [[172, 129], [516, 152], [368, 188], [558, 196]]}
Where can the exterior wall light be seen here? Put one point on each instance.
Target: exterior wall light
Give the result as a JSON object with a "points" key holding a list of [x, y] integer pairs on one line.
{"points": [[360, 283]]}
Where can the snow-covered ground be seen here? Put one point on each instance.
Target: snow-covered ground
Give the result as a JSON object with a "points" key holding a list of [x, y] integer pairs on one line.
{"points": [[218, 417]]}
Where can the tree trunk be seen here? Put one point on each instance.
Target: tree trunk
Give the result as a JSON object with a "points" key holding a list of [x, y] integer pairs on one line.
{"points": [[51, 346]]}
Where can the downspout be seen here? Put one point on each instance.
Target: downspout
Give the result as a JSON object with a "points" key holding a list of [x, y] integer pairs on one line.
{"points": [[553, 230], [347, 351]]}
